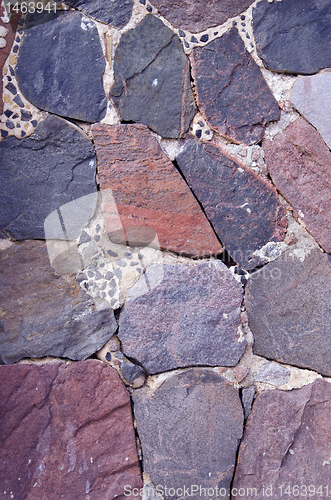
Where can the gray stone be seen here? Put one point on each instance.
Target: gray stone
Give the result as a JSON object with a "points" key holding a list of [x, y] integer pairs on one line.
{"points": [[190, 428], [247, 398], [130, 371], [273, 373], [117, 13]]}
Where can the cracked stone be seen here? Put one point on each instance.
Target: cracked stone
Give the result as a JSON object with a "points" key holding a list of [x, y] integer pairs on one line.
{"points": [[227, 97], [242, 207], [152, 79], [149, 191], [70, 86], [190, 428], [117, 13], [67, 431], [288, 307]]}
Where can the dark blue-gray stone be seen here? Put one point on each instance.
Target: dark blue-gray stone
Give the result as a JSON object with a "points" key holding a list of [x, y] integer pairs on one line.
{"points": [[117, 13]]}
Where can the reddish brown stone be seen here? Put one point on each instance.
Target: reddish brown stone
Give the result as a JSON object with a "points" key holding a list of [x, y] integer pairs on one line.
{"points": [[286, 444], [299, 163], [233, 96], [4, 52], [196, 15], [66, 431], [148, 190]]}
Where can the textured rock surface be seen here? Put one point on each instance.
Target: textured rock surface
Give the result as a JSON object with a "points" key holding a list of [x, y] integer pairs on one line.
{"points": [[195, 16], [311, 95], [59, 166], [286, 443], [190, 429], [152, 79], [148, 190], [242, 207], [299, 163], [273, 373], [69, 86], [234, 97], [43, 313], [288, 306], [66, 432], [191, 318], [293, 37], [117, 13], [9, 38]]}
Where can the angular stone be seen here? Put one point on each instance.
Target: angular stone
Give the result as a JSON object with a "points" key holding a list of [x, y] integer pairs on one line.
{"points": [[117, 13], [289, 311], [190, 428], [311, 95], [190, 317], [152, 79], [227, 95], [60, 66], [10, 27], [273, 373], [299, 163], [149, 191], [293, 37], [43, 313], [286, 444], [242, 207], [59, 166], [66, 432], [196, 16]]}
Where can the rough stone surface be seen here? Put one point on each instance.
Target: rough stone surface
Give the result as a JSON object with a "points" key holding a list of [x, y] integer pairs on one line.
{"points": [[9, 38], [311, 95], [293, 37], [190, 429], [288, 306], [59, 166], [43, 313], [242, 207], [192, 317], [299, 163], [117, 13], [286, 443], [152, 79], [69, 86], [66, 432], [273, 373], [234, 98], [148, 190], [195, 16]]}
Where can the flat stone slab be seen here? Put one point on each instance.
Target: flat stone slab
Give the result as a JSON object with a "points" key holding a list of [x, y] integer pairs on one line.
{"points": [[191, 317], [152, 79], [59, 166], [311, 96], [149, 191], [66, 432], [288, 305], [60, 66], [117, 13], [196, 16], [190, 428], [44, 313], [293, 37], [242, 207], [286, 444], [298, 161], [227, 94]]}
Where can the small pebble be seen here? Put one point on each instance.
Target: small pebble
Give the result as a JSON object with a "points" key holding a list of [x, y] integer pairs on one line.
{"points": [[204, 38], [121, 263], [97, 237], [193, 39], [4, 133], [19, 101], [108, 356], [97, 228], [198, 133], [10, 124], [186, 44], [8, 113], [111, 253], [34, 123], [181, 34], [201, 123], [109, 275], [11, 71], [15, 49], [242, 17], [134, 263], [149, 8], [3, 43], [128, 255]]}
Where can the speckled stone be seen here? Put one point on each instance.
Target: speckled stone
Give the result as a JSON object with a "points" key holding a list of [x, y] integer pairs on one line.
{"points": [[117, 13], [66, 432], [9, 38]]}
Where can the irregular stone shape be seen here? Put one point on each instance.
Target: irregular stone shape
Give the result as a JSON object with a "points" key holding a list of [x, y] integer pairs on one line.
{"points": [[195, 16], [227, 95], [286, 444], [293, 37], [9, 38], [148, 190], [192, 317], [299, 163], [189, 429], [242, 207], [117, 13], [273, 373], [43, 313], [59, 166], [66, 431], [311, 95], [288, 306], [70, 85], [152, 79]]}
